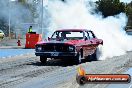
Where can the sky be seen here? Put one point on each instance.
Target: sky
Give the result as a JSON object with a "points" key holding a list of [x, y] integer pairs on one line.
{"points": [[127, 1]]}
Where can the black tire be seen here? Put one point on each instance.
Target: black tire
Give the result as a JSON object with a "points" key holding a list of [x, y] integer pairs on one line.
{"points": [[81, 80], [93, 57], [77, 59], [43, 59], [88, 58], [3, 37]]}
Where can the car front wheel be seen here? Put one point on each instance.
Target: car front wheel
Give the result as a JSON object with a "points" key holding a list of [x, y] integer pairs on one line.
{"points": [[77, 59], [43, 59]]}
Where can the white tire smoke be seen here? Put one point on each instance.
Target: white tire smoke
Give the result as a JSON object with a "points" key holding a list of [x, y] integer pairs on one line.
{"points": [[77, 14]]}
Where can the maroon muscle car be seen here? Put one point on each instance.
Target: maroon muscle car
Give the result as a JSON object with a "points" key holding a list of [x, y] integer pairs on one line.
{"points": [[70, 44]]}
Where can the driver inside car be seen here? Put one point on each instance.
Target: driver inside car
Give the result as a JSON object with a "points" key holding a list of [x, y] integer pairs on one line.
{"points": [[63, 36]]}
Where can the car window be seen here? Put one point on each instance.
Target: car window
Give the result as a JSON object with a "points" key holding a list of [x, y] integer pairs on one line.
{"points": [[86, 35], [74, 34], [90, 34], [56, 34], [68, 35]]}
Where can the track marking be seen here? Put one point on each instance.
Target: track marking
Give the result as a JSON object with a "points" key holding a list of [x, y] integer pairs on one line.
{"points": [[130, 86]]}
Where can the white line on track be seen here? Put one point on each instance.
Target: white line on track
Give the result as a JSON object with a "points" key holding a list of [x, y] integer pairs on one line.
{"points": [[130, 86]]}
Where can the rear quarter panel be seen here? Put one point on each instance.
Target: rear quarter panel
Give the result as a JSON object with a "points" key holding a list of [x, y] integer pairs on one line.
{"points": [[89, 46]]}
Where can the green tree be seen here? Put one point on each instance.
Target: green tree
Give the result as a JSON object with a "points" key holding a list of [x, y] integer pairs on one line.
{"points": [[4, 27], [22, 1], [128, 11], [110, 7]]}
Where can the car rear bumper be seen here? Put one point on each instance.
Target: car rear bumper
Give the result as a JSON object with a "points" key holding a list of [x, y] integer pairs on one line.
{"points": [[56, 54]]}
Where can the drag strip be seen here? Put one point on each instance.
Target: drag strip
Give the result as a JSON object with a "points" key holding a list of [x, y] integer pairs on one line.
{"points": [[129, 85], [4, 53], [27, 72]]}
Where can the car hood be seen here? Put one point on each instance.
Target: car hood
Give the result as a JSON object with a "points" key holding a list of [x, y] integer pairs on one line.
{"points": [[69, 42]]}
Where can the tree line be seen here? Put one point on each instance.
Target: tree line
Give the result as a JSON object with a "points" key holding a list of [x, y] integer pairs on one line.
{"points": [[114, 7]]}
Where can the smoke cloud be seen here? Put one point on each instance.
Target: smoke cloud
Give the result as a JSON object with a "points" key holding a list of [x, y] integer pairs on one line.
{"points": [[77, 14], [16, 13]]}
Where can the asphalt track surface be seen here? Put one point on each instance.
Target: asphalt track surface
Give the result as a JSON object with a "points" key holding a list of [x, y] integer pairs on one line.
{"points": [[4, 53], [26, 71]]}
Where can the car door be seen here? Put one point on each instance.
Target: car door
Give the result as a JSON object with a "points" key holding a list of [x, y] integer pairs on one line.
{"points": [[91, 43]]}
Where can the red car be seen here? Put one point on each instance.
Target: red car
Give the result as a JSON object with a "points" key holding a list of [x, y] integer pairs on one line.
{"points": [[70, 44]]}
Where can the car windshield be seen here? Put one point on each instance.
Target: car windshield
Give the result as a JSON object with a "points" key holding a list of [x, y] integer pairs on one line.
{"points": [[68, 35]]}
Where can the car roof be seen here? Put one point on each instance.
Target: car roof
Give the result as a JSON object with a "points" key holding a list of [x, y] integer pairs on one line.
{"points": [[73, 30]]}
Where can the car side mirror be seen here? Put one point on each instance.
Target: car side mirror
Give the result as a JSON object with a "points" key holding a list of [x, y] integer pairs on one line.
{"points": [[48, 38]]}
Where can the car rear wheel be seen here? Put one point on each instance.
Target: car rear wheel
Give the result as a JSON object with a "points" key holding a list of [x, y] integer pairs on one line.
{"points": [[3, 37], [93, 57], [43, 59]]}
